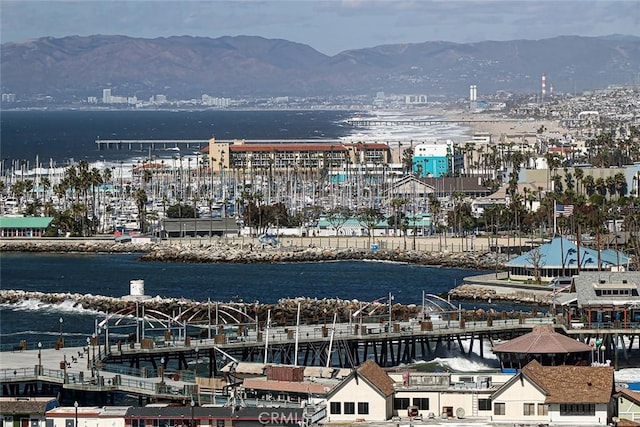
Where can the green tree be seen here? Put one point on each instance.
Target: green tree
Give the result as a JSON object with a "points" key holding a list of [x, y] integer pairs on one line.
{"points": [[180, 210], [338, 217], [370, 217]]}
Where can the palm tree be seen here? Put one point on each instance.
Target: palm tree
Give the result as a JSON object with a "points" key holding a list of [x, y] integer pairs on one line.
{"points": [[579, 173], [45, 183], [140, 197], [396, 204]]}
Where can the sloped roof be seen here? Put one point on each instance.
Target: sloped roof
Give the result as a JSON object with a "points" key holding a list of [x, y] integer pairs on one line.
{"points": [[24, 406], [585, 284], [572, 384], [25, 222], [542, 340], [377, 377], [559, 248], [502, 192], [631, 395]]}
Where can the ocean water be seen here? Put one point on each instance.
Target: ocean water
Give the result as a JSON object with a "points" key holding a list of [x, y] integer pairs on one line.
{"points": [[59, 136], [110, 275], [64, 135]]}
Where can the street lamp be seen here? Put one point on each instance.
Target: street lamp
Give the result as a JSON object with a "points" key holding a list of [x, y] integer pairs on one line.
{"points": [[161, 370], [39, 358], [75, 405], [61, 320], [193, 404], [93, 352], [88, 344], [196, 349]]}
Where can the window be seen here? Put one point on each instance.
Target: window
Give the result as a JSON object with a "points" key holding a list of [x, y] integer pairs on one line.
{"points": [[498, 409], [577, 409], [349, 408], [400, 403], [421, 402], [484, 404], [335, 408], [363, 407], [528, 409], [543, 409]]}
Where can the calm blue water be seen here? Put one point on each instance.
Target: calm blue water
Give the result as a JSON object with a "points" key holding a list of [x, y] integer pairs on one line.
{"points": [[110, 275], [63, 135]]}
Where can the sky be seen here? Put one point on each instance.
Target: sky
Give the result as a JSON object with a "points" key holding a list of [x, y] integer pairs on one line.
{"points": [[329, 26]]}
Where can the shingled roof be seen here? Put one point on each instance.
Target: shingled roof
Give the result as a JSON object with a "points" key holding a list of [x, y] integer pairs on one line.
{"points": [[377, 377], [542, 340], [24, 405], [572, 384]]}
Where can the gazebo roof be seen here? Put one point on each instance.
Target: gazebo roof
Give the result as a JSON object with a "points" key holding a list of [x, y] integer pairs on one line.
{"points": [[542, 340], [559, 248]]}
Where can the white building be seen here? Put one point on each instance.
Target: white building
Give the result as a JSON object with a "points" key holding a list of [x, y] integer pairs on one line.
{"points": [[577, 395], [365, 395], [87, 416], [446, 395]]}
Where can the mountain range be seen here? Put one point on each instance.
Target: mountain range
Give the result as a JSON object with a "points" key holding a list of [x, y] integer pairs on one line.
{"points": [[186, 67]]}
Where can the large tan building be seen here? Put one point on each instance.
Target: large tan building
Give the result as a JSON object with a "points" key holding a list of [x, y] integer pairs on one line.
{"points": [[240, 154]]}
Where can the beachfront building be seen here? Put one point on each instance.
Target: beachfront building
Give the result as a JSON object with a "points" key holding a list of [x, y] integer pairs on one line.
{"points": [[25, 411], [628, 402], [365, 395], [603, 299], [334, 156], [577, 395], [434, 159], [431, 395], [561, 257], [30, 226], [69, 416], [169, 415]]}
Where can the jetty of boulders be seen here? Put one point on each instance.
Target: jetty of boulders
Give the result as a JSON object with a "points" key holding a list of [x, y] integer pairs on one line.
{"points": [[283, 312], [247, 253], [489, 294]]}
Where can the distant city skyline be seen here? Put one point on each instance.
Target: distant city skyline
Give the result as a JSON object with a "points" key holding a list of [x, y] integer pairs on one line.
{"points": [[329, 26]]}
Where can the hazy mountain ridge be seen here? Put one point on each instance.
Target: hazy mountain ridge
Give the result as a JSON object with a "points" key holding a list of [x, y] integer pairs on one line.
{"points": [[185, 67]]}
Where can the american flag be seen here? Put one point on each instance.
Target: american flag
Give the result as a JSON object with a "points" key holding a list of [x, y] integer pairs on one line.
{"points": [[565, 210]]}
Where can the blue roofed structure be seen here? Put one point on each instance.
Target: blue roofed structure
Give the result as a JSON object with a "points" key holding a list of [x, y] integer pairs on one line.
{"points": [[562, 257]]}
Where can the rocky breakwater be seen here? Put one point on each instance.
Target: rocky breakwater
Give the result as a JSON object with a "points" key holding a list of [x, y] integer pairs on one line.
{"points": [[491, 293], [253, 254], [72, 245], [283, 312]]}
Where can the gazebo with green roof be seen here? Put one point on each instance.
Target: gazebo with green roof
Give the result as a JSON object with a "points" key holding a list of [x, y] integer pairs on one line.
{"points": [[28, 226]]}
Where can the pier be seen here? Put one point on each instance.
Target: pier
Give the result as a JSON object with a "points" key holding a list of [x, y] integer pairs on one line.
{"points": [[423, 122], [177, 369], [155, 144], [192, 144]]}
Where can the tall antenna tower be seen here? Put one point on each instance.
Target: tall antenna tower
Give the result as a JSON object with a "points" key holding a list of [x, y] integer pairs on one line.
{"points": [[544, 85]]}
